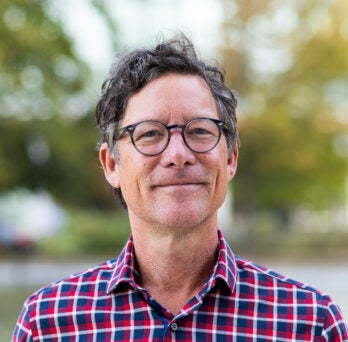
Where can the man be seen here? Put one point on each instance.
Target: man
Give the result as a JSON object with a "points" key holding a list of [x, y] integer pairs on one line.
{"points": [[169, 148]]}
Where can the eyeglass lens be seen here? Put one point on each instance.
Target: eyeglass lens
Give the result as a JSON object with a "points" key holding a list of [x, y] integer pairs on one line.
{"points": [[152, 137]]}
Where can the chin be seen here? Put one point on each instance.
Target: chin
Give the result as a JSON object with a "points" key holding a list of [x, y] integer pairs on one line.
{"points": [[183, 217]]}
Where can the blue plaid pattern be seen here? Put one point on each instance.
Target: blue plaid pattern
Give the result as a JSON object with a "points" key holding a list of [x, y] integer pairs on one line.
{"points": [[242, 301]]}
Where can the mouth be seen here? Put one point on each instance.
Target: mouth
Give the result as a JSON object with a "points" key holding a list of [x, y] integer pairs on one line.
{"points": [[178, 185], [180, 181], [181, 185]]}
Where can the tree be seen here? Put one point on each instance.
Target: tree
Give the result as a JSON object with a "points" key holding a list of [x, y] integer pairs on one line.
{"points": [[46, 132], [38, 62], [288, 62]]}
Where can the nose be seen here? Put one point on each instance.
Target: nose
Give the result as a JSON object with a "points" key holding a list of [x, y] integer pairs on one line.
{"points": [[177, 154]]}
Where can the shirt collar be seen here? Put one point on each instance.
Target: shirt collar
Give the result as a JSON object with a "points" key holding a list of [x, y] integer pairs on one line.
{"points": [[226, 266], [125, 269]]}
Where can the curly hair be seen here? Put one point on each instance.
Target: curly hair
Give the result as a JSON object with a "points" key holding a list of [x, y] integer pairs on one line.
{"points": [[133, 70]]}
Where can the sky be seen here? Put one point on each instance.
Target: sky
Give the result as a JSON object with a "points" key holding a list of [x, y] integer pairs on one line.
{"points": [[139, 23]]}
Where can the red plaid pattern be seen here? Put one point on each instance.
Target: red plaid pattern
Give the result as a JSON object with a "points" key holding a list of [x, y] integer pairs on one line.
{"points": [[241, 301]]}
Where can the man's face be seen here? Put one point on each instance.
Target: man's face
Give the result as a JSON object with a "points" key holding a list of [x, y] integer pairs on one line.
{"points": [[178, 188]]}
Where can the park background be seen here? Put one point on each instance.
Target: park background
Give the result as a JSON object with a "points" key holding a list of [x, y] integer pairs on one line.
{"points": [[287, 62]]}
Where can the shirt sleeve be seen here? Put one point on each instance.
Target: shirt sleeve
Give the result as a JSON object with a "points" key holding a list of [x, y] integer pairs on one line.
{"points": [[335, 328], [22, 331]]}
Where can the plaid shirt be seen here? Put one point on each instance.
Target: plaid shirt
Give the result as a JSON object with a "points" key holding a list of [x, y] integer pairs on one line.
{"points": [[241, 301]]}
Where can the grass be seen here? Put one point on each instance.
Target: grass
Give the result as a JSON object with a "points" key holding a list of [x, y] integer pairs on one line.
{"points": [[11, 299]]}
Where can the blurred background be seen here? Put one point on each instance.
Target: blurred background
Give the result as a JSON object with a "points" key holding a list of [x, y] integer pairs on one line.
{"points": [[287, 62]]}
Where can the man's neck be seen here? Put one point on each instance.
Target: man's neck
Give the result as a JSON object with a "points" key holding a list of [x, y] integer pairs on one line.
{"points": [[174, 267]]}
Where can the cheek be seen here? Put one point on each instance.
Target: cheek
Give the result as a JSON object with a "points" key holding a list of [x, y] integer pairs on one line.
{"points": [[222, 177], [133, 174]]}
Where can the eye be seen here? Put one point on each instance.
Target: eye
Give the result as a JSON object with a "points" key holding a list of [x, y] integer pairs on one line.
{"points": [[202, 129], [199, 131], [149, 133], [153, 134]]}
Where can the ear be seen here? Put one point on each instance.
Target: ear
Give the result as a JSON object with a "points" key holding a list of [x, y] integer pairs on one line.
{"points": [[232, 162], [110, 166]]}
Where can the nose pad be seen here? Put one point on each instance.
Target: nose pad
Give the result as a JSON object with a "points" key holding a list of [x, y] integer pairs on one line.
{"points": [[177, 152]]}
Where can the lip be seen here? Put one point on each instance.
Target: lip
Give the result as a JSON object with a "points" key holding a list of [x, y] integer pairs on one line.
{"points": [[179, 180], [179, 185]]}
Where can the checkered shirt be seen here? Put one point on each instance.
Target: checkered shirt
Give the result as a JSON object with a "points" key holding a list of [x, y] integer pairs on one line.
{"points": [[240, 302]]}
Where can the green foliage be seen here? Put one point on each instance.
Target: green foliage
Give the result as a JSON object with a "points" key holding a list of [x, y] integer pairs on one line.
{"points": [[292, 103], [285, 162], [88, 233], [260, 237], [37, 61], [58, 155], [47, 131]]}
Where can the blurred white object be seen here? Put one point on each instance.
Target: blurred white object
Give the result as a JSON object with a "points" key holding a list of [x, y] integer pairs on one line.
{"points": [[28, 216]]}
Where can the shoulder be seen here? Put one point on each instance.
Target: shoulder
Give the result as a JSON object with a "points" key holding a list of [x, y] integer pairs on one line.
{"points": [[289, 297], [95, 278], [257, 275], [62, 296]]}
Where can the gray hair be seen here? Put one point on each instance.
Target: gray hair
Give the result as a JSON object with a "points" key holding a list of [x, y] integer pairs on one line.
{"points": [[133, 70]]}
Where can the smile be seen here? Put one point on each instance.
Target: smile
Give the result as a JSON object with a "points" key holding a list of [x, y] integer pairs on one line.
{"points": [[187, 186]]}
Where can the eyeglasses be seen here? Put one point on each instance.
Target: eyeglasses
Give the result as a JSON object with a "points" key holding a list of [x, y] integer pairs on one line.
{"points": [[152, 137]]}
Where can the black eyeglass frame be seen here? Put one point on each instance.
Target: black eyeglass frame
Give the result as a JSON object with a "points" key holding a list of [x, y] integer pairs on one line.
{"points": [[221, 125]]}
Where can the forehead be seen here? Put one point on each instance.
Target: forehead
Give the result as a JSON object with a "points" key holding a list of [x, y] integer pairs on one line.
{"points": [[171, 97]]}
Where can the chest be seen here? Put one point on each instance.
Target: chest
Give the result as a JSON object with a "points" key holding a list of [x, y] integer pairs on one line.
{"points": [[131, 316]]}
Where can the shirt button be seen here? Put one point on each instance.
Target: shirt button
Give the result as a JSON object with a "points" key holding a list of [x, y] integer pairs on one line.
{"points": [[174, 326]]}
